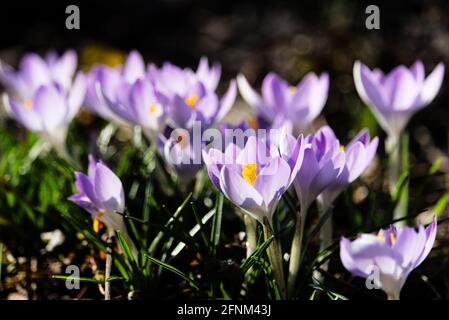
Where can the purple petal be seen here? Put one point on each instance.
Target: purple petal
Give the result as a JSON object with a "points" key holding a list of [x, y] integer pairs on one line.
{"points": [[241, 193], [27, 116], [76, 95], [134, 67], [432, 84], [109, 189], [227, 101], [52, 108]]}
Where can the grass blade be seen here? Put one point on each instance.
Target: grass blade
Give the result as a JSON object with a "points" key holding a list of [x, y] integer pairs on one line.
{"points": [[172, 270]]}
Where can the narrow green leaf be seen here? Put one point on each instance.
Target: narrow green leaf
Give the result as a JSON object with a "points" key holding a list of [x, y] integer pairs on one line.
{"points": [[81, 279], [172, 270], [160, 235], [255, 256], [200, 224], [216, 224], [126, 249]]}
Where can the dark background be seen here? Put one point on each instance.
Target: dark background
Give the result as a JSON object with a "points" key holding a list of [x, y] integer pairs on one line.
{"points": [[288, 37]]}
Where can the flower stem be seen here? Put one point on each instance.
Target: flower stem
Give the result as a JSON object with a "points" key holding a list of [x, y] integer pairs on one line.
{"points": [[251, 237], [392, 147], [107, 284], [325, 235], [393, 296], [295, 251], [275, 256]]}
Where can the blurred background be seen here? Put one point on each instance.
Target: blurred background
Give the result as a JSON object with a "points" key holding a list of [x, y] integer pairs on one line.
{"points": [[253, 37]]}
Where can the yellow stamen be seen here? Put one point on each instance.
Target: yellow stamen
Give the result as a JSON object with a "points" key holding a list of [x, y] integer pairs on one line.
{"points": [[97, 226], [253, 124], [292, 89], [191, 100], [28, 104], [381, 235], [392, 238], [249, 173], [342, 148], [152, 108]]}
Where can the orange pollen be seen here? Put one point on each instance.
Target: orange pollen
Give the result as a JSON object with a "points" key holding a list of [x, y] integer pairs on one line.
{"points": [[253, 124], [249, 173], [28, 104], [97, 225], [292, 89], [381, 235], [191, 101]]}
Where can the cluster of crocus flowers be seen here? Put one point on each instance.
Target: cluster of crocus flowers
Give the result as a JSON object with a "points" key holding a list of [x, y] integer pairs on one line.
{"points": [[43, 97], [101, 194], [192, 95], [327, 169], [34, 72], [388, 257], [285, 105]]}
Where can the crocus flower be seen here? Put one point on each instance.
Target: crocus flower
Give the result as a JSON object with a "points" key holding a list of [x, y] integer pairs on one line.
{"points": [[171, 79], [324, 165], [101, 193], [34, 72], [281, 103], [179, 152], [390, 255], [396, 96], [106, 80], [192, 95], [139, 103], [254, 178], [351, 160], [49, 110]]}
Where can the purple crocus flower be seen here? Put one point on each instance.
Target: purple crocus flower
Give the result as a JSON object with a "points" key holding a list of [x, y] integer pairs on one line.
{"points": [[106, 80], [49, 110], [34, 72], [139, 103], [323, 163], [101, 193], [254, 178], [282, 103], [355, 158], [396, 96], [179, 152], [192, 95], [209, 75], [171, 79], [389, 256]]}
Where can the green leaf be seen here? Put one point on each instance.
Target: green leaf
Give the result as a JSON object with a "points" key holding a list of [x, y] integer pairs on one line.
{"points": [[172, 270], [216, 224], [160, 235], [441, 204], [255, 256], [435, 166], [81, 279], [124, 245], [200, 224]]}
